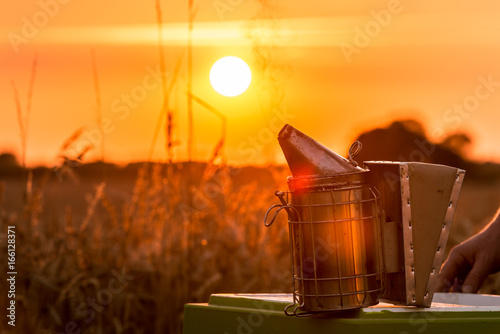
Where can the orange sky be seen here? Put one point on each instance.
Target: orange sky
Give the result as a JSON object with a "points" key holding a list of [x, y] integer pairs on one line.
{"points": [[341, 67]]}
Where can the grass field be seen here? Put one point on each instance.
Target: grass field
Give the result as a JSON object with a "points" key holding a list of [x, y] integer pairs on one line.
{"points": [[73, 239]]}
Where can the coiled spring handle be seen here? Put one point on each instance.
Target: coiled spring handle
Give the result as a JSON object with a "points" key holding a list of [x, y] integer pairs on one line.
{"points": [[293, 214]]}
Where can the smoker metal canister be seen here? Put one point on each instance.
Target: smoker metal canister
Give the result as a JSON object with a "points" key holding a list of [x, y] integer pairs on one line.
{"points": [[335, 236]]}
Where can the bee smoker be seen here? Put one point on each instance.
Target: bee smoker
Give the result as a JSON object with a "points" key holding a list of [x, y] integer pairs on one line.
{"points": [[335, 228], [360, 235]]}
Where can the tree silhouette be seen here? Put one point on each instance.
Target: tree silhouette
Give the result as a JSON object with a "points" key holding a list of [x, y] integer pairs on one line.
{"points": [[8, 162], [406, 140]]}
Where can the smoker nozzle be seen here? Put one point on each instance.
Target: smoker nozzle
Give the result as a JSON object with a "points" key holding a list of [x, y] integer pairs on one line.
{"points": [[305, 156]]}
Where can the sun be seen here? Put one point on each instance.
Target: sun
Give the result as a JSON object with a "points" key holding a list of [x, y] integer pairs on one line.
{"points": [[230, 76]]}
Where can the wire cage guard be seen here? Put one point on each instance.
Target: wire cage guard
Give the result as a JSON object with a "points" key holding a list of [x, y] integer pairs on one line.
{"points": [[335, 240]]}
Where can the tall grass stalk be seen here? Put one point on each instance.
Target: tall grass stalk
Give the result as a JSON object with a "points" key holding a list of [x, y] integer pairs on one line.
{"points": [[24, 118], [31, 204], [219, 147], [269, 62], [191, 15], [98, 101], [21, 122], [165, 105], [161, 115], [2, 193]]}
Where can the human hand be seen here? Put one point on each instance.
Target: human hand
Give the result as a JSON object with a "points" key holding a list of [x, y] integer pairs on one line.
{"points": [[470, 262]]}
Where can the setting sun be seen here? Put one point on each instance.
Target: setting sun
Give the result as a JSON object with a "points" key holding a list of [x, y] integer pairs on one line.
{"points": [[230, 76]]}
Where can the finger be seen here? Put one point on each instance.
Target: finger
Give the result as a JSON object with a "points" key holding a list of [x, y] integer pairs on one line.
{"points": [[449, 271], [457, 285], [475, 278], [443, 284]]}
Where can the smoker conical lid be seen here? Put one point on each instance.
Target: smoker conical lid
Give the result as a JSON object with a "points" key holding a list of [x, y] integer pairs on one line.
{"points": [[305, 156]]}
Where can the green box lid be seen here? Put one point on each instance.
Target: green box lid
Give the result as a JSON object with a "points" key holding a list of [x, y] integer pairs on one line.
{"points": [[264, 313]]}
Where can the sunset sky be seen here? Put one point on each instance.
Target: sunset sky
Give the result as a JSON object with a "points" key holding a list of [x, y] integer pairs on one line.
{"points": [[338, 68]]}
